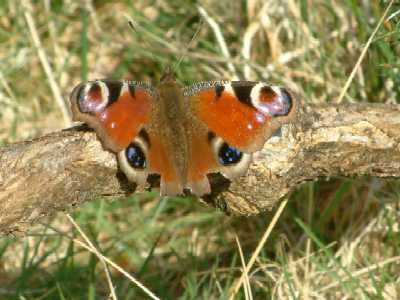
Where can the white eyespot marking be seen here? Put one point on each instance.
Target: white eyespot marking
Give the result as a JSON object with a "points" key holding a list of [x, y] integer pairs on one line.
{"points": [[135, 175], [142, 143], [273, 104], [233, 170], [255, 93], [260, 118], [276, 89], [87, 103], [139, 176]]}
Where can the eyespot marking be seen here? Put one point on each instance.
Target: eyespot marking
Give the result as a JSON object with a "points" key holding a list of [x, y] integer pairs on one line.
{"points": [[80, 97], [91, 97], [135, 156], [271, 101], [229, 155], [287, 100], [95, 92]]}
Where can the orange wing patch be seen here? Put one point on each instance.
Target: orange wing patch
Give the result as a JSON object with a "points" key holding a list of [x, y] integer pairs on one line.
{"points": [[237, 123], [201, 161], [160, 162], [123, 119], [201, 158]]}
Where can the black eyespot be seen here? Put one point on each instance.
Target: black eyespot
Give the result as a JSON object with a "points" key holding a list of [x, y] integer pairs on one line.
{"points": [[135, 156], [228, 155]]}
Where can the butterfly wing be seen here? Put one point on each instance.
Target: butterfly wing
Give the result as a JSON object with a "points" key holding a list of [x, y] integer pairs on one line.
{"points": [[239, 116], [243, 113], [118, 111], [128, 117]]}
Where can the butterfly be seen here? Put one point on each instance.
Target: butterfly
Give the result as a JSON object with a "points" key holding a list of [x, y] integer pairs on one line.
{"points": [[182, 133]]}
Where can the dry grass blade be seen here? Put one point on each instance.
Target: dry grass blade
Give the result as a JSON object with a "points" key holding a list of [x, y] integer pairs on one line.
{"points": [[250, 33], [93, 249], [307, 267], [45, 63], [366, 270], [393, 15], [247, 287], [109, 280], [364, 51], [220, 39], [259, 247], [120, 269]]}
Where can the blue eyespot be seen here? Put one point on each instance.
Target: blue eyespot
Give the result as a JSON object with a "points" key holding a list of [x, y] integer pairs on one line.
{"points": [[135, 156], [228, 155]]}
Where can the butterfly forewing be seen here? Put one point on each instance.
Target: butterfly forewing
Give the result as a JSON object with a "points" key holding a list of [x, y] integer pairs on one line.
{"points": [[117, 110], [243, 113]]}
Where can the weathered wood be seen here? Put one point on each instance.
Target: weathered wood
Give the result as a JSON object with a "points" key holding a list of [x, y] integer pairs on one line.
{"points": [[64, 169]]}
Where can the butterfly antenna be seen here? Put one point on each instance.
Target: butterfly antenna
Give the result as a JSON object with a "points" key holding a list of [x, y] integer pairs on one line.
{"points": [[188, 46], [136, 29]]}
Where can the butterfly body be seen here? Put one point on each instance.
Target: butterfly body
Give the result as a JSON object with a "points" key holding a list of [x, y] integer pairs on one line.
{"points": [[182, 133]]}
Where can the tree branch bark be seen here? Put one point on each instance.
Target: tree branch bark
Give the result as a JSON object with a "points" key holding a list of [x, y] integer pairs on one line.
{"points": [[64, 169]]}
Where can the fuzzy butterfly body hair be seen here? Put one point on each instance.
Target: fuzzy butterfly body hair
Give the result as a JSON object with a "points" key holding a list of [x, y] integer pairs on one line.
{"points": [[182, 133]]}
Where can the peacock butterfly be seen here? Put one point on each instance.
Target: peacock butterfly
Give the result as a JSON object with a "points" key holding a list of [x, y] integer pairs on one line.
{"points": [[182, 133]]}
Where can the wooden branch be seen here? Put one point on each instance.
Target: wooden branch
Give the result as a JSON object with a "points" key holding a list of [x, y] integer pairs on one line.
{"points": [[64, 169]]}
